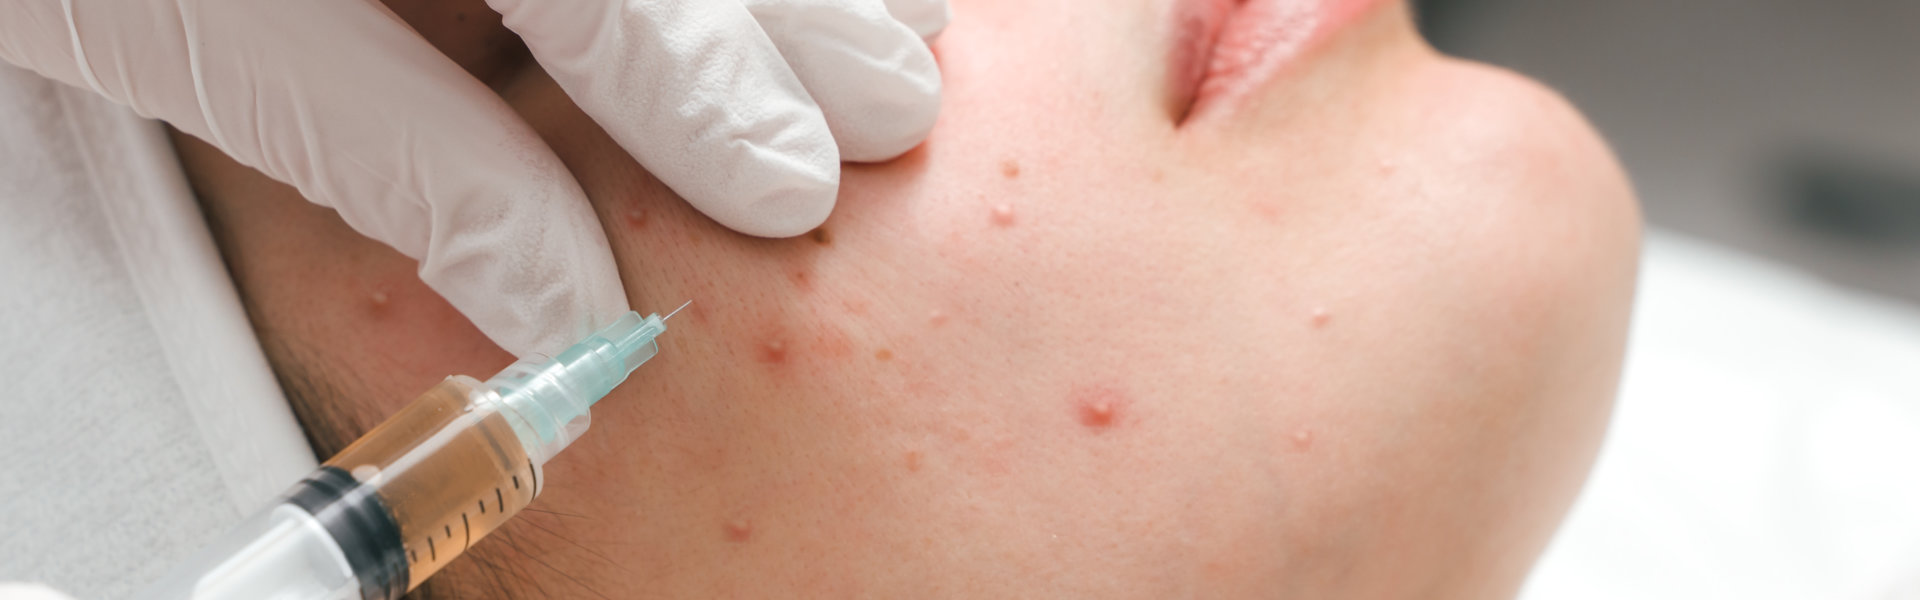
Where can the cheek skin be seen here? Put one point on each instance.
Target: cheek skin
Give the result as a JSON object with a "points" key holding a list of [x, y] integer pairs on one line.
{"points": [[810, 359]]}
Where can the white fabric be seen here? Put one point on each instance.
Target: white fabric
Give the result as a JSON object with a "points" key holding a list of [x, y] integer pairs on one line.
{"points": [[345, 102], [141, 418], [1766, 444], [25, 591]]}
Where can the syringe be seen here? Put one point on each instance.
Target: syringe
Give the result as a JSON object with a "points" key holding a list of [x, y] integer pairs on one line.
{"points": [[402, 501]]}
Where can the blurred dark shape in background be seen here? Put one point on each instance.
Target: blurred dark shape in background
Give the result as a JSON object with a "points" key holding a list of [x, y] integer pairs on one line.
{"points": [[1850, 197], [1784, 128]]}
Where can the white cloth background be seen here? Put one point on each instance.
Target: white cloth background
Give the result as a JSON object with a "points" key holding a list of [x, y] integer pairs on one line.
{"points": [[140, 418], [1766, 444]]}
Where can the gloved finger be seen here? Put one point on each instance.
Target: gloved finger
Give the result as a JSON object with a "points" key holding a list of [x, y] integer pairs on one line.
{"points": [[873, 77], [926, 17], [696, 92], [346, 103]]}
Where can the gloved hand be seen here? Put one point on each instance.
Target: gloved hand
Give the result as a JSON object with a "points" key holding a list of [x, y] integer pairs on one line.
{"points": [[743, 107], [29, 591]]}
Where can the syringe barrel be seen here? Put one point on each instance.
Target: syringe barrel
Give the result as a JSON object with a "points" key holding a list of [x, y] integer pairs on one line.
{"points": [[405, 499], [384, 514], [450, 469]]}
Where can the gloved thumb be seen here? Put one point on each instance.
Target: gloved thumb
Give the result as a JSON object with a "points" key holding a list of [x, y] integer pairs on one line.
{"points": [[346, 103]]}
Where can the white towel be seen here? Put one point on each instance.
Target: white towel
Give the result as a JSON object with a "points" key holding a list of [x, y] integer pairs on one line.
{"points": [[140, 418]]}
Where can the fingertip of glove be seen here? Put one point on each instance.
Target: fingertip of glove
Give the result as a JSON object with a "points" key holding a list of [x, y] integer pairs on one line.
{"points": [[787, 213], [763, 185], [880, 105], [888, 120], [906, 127], [777, 199]]}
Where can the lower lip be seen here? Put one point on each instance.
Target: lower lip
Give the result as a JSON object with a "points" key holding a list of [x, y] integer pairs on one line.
{"points": [[1256, 39]]}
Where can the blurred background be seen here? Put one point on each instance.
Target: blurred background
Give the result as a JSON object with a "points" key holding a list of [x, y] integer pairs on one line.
{"points": [[1785, 128], [1766, 442]]}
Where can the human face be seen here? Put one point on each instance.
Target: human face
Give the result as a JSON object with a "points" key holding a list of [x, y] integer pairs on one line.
{"points": [[1175, 301]]}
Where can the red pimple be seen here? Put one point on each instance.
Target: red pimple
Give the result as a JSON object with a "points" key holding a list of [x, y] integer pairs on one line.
{"points": [[802, 279], [1010, 168], [1321, 317], [1003, 215], [936, 317], [773, 352], [913, 461], [1302, 440], [1098, 407], [739, 530], [1097, 413], [635, 218], [379, 303], [883, 355]]}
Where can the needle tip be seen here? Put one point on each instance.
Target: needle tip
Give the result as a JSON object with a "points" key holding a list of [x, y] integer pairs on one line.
{"points": [[676, 311]]}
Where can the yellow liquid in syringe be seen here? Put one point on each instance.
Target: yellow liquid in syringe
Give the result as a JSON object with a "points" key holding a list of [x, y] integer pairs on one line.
{"points": [[450, 469]]}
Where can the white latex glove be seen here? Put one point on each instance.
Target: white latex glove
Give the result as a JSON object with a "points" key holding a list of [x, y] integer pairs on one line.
{"points": [[29, 591], [342, 100]]}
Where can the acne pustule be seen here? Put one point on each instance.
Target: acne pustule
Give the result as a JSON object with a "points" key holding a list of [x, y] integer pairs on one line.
{"points": [[1320, 317], [1301, 440], [1002, 215], [635, 218], [379, 303], [378, 299], [1097, 413], [738, 530], [1099, 407], [773, 352]]}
